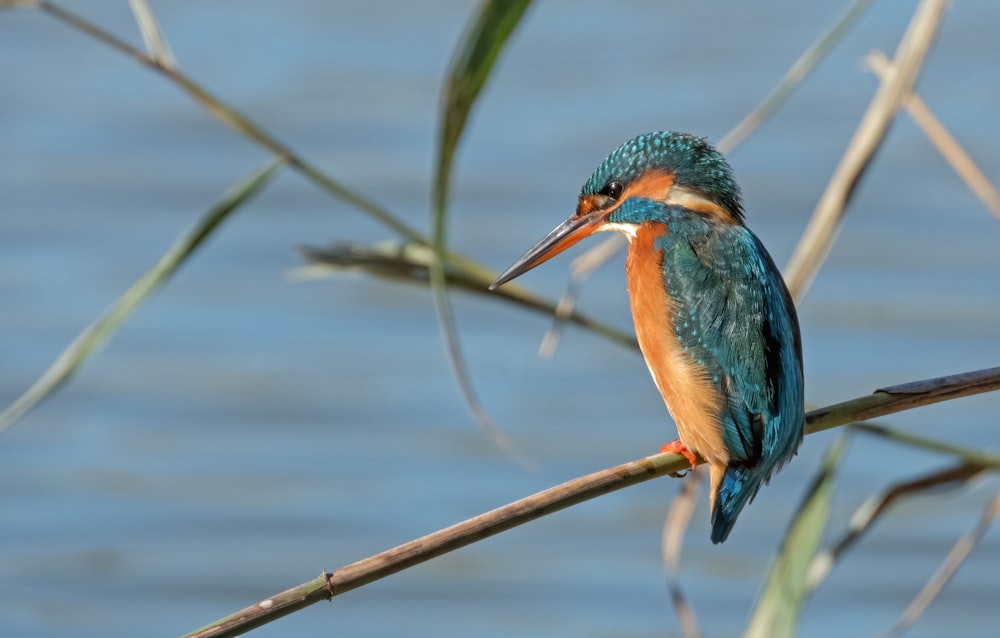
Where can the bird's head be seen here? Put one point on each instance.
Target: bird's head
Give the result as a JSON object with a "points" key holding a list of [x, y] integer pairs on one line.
{"points": [[639, 182]]}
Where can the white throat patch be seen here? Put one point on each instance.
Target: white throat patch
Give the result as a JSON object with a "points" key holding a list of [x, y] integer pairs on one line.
{"points": [[629, 230]]}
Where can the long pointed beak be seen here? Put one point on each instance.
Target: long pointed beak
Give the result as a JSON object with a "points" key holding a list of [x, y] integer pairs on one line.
{"points": [[562, 237]]}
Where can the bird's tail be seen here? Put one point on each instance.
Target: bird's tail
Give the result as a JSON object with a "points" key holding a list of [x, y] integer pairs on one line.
{"points": [[733, 490]]}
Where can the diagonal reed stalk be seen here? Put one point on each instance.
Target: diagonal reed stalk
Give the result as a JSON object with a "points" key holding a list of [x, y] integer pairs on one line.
{"points": [[360, 573], [241, 123], [943, 141], [821, 232], [231, 117]]}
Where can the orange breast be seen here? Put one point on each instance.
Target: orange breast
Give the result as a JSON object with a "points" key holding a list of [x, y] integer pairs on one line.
{"points": [[693, 400]]}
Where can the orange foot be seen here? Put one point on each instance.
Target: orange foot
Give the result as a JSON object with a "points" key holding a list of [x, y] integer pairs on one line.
{"points": [[677, 447]]}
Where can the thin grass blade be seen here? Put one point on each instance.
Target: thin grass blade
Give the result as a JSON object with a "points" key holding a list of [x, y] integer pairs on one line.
{"points": [[794, 76], [474, 57], [100, 331], [785, 592]]}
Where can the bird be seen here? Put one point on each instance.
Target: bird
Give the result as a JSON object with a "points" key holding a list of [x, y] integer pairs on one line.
{"points": [[714, 319]]}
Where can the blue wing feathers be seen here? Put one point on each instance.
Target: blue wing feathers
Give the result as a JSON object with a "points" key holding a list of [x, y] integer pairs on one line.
{"points": [[738, 321]]}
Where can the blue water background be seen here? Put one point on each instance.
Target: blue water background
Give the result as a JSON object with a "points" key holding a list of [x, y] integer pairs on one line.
{"points": [[243, 432]]}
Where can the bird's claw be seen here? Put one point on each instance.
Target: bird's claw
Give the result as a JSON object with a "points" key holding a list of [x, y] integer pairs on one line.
{"points": [[677, 447]]}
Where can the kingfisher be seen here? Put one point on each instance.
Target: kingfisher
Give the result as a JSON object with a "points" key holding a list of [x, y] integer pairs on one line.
{"points": [[713, 317]]}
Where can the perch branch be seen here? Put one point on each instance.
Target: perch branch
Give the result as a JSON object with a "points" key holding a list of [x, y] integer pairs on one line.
{"points": [[330, 584]]}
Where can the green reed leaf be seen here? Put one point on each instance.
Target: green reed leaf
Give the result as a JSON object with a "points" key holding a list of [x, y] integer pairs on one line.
{"points": [[100, 331], [786, 591], [470, 67]]}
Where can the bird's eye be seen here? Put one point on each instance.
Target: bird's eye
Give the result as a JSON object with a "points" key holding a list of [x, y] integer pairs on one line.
{"points": [[613, 189]]}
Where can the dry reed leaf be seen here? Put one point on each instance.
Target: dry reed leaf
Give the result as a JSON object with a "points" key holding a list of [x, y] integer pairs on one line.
{"points": [[675, 527], [868, 513], [956, 557], [943, 140]]}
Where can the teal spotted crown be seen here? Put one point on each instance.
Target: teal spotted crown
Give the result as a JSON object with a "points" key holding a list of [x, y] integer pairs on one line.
{"points": [[696, 165]]}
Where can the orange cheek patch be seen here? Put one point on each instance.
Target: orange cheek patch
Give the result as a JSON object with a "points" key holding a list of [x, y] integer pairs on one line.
{"points": [[653, 184], [587, 204]]}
